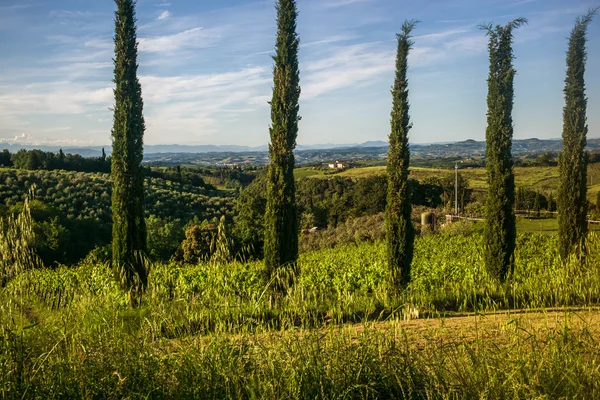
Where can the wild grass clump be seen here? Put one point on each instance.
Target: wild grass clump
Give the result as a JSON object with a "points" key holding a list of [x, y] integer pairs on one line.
{"points": [[211, 329], [17, 239], [368, 361]]}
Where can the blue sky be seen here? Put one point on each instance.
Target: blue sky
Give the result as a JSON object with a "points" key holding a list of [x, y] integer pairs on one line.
{"points": [[205, 69]]}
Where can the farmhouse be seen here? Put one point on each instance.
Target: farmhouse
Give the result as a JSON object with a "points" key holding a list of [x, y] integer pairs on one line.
{"points": [[338, 165]]}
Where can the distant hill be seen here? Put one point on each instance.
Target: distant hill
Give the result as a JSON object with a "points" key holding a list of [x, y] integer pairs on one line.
{"points": [[467, 147]]}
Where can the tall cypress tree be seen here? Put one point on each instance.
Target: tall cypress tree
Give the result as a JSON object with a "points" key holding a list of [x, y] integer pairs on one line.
{"points": [[281, 219], [399, 228], [500, 227], [129, 227], [572, 202]]}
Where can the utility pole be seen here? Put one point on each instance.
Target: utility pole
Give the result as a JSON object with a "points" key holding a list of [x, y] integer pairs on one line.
{"points": [[456, 189]]}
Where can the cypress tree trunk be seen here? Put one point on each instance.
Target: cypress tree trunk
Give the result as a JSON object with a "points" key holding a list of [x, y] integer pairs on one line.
{"points": [[399, 228], [500, 224], [129, 227], [572, 202], [281, 219]]}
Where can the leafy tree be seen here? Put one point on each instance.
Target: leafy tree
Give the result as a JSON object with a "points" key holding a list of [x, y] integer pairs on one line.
{"points": [[537, 203], [164, 237], [129, 227], [399, 227], [500, 227], [281, 220], [551, 202], [249, 220], [199, 242], [34, 162], [5, 160], [572, 202]]}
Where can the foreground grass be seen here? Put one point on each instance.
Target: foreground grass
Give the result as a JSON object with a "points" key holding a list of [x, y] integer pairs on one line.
{"points": [[514, 357], [211, 331]]}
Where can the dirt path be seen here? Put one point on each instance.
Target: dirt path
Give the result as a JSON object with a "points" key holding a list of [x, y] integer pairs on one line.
{"points": [[498, 326]]}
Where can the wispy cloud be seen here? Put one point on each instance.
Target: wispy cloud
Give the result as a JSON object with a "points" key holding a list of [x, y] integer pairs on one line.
{"points": [[438, 36], [164, 15], [195, 38], [340, 3], [346, 66]]}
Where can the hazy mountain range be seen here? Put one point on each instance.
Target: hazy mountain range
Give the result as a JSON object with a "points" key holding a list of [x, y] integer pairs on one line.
{"points": [[95, 151], [471, 147]]}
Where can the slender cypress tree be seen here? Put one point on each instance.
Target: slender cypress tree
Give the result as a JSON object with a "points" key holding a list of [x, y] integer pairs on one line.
{"points": [[281, 219], [500, 228], [399, 228], [129, 227], [572, 202]]}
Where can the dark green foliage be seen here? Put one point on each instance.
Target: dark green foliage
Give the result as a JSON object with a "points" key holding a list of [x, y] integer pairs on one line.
{"points": [[83, 204], [399, 228], [129, 227], [598, 200], [281, 220], [551, 202], [249, 220], [164, 237], [199, 243], [5, 159], [537, 203], [572, 202], [527, 199], [500, 227], [329, 202], [46, 160]]}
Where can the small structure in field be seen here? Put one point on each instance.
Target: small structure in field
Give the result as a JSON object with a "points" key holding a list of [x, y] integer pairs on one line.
{"points": [[311, 230], [428, 219], [452, 218], [338, 165]]}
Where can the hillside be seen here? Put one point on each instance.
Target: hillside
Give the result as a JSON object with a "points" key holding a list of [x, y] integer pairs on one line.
{"points": [[544, 179], [80, 195]]}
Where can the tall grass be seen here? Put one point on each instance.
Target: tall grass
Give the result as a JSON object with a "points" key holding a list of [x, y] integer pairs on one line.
{"points": [[17, 239], [210, 330], [336, 363], [345, 284]]}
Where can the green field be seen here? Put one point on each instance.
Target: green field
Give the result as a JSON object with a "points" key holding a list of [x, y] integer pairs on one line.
{"points": [[211, 330], [544, 179]]}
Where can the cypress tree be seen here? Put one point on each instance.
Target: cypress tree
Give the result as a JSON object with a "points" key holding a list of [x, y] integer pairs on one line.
{"points": [[399, 228], [572, 203], [129, 227], [500, 227], [537, 203], [281, 219]]}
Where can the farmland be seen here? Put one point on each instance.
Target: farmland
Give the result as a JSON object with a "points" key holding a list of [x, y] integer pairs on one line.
{"points": [[544, 179]]}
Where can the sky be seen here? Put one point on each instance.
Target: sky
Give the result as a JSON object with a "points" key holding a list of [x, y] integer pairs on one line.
{"points": [[206, 69]]}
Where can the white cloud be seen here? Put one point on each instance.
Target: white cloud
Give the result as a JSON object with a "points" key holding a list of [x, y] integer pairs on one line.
{"points": [[437, 36], [340, 3], [194, 38], [347, 66], [56, 98], [164, 15]]}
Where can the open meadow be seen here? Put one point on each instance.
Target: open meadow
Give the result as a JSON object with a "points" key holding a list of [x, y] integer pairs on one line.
{"points": [[544, 179], [212, 331]]}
